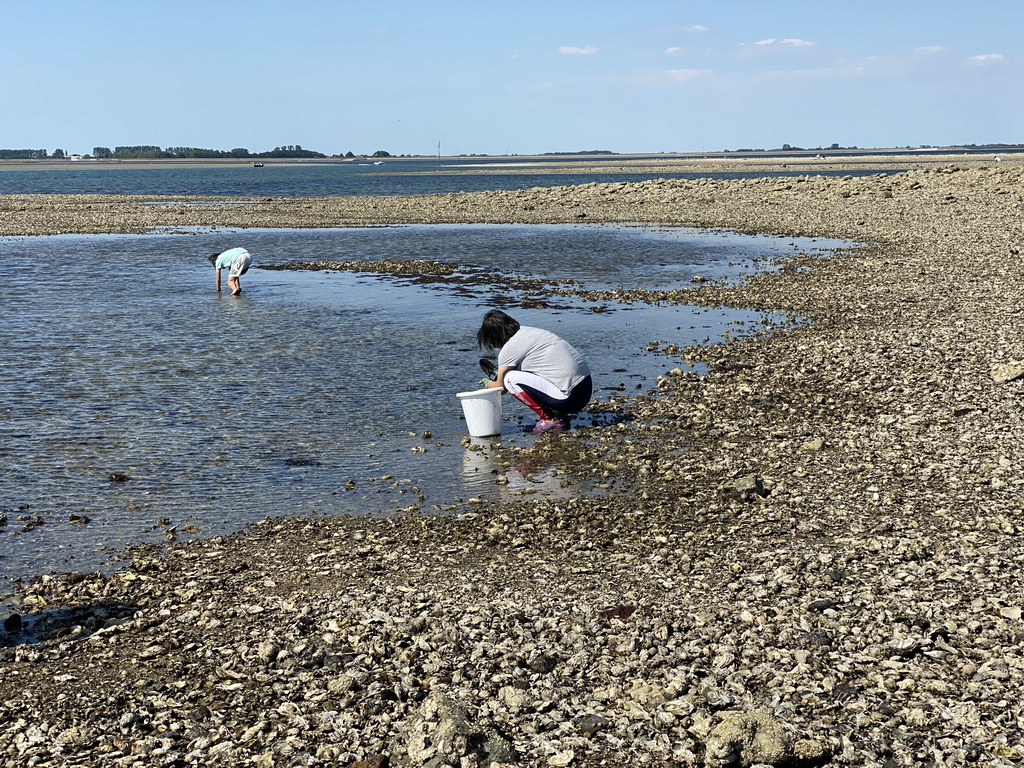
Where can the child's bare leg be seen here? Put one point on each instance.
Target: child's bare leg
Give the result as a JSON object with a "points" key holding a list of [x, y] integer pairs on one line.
{"points": [[235, 285]]}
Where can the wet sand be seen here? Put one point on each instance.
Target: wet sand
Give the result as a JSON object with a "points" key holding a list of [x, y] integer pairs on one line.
{"points": [[809, 556]]}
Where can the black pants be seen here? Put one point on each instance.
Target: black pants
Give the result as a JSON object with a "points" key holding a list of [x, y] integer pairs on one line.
{"points": [[574, 403]]}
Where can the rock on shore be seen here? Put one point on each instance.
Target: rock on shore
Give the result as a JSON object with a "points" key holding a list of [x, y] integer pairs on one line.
{"points": [[808, 556]]}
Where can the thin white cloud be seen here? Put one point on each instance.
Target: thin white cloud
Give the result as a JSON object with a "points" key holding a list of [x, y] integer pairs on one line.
{"points": [[984, 59], [573, 50], [697, 28], [925, 50], [675, 50], [793, 41]]}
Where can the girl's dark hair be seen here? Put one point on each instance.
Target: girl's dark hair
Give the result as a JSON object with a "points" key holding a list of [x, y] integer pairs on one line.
{"points": [[213, 258], [496, 330]]}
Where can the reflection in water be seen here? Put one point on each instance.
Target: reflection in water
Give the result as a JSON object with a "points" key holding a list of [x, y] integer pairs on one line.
{"points": [[488, 471]]}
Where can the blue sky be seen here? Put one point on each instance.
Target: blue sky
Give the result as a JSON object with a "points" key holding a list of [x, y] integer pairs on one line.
{"points": [[509, 76]]}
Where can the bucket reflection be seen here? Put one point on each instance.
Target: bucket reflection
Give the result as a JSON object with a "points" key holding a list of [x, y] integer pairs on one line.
{"points": [[489, 472]]}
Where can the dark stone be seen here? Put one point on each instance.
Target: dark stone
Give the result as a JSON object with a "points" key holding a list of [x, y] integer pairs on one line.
{"points": [[817, 637], [542, 664], [619, 612], [819, 606], [13, 623], [591, 725], [844, 692], [745, 488]]}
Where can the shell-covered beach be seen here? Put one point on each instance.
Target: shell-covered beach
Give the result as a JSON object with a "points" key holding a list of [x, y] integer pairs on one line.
{"points": [[808, 556]]}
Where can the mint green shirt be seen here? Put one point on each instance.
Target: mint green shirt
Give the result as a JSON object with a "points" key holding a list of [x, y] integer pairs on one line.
{"points": [[227, 258]]}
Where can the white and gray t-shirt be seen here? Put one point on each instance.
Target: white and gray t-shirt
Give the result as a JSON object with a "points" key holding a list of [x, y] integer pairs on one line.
{"points": [[545, 354]]}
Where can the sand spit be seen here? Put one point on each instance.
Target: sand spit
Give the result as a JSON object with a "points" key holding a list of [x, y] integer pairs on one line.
{"points": [[746, 205], [809, 556]]}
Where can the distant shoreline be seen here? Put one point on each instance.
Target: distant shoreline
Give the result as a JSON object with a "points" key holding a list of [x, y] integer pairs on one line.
{"points": [[684, 201], [769, 162]]}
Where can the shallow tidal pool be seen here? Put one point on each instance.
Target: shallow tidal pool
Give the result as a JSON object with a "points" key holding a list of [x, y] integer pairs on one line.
{"points": [[139, 404]]}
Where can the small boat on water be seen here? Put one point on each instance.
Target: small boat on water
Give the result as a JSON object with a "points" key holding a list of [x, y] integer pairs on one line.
{"points": [[257, 165]]}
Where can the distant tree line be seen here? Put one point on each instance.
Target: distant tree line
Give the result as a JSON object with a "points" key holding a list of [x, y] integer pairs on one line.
{"points": [[585, 152], [144, 152], [987, 146], [834, 147], [23, 154]]}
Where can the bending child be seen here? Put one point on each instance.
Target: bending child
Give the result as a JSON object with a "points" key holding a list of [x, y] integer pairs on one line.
{"points": [[236, 261], [538, 368]]}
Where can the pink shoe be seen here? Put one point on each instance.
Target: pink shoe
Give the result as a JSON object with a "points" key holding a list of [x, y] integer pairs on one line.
{"points": [[547, 425]]}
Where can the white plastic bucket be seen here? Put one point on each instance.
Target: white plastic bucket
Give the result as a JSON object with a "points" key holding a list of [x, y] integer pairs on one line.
{"points": [[482, 408]]}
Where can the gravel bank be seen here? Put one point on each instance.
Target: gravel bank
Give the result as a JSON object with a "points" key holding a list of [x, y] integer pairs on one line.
{"points": [[807, 557]]}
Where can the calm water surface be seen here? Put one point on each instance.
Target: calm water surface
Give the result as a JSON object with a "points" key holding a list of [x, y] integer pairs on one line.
{"points": [[401, 177], [311, 392]]}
